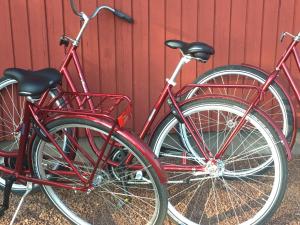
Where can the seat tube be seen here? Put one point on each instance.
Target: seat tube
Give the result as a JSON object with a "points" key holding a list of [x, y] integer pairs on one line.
{"points": [[24, 131]]}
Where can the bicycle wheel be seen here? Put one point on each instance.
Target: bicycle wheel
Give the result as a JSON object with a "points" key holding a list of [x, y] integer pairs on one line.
{"points": [[209, 197], [11, 117], [275, 103], [126, 196]]}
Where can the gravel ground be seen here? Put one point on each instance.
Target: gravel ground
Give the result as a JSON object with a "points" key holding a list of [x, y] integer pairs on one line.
{"points": [[38, 210]]}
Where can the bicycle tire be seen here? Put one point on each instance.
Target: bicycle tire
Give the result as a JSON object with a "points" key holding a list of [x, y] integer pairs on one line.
{"points": [[95, 208], [191, 193]]}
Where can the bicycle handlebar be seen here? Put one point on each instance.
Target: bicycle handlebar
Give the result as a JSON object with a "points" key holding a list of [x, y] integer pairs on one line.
{"points": [[74, 8], [123, 16], [118, 13]]}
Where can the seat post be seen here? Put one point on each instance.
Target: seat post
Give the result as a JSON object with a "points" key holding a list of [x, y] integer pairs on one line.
{"points": [[185, 59]]}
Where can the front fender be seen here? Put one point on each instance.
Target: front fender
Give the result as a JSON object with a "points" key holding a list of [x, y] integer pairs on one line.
{"points": [[288, 96]]}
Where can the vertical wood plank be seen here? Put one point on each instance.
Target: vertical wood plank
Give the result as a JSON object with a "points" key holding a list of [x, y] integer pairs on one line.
{"points": [[253, 31], [237, 39], [269, 35], [189, 34], [156, 50], [55, 28], [38, 34], [173, 31], [141, 63], [6, 43], [90, 48], [222, 32], [206, 22], [124, 51], [20, 31], [285, 23], [237, 31], [253, 36], [107, 49]]}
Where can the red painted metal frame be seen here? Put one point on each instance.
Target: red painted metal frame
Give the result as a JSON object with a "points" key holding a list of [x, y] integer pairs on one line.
{"points": [[288, 96], [34, 112], [19, 173], [272, 77], [167, 92], [259, 111]]}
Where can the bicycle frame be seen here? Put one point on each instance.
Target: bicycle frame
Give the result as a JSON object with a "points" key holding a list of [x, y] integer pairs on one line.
{"points": [[18, 172], [34, 112], [281, 66], [166, 93]]}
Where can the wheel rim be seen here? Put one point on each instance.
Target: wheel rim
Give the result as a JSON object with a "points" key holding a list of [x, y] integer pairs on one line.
{"points": [[182, 203], [12, 108], [238, 77], [142, 198]]}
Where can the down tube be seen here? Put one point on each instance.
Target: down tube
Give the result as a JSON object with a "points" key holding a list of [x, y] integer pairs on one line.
{"points": [[152, 117]]}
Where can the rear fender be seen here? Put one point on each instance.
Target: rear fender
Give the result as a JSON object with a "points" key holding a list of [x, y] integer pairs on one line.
{"points": [[138, 143]]}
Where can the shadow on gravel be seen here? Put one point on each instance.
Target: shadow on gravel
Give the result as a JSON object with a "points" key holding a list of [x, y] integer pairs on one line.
{"points": [[37, 209]]}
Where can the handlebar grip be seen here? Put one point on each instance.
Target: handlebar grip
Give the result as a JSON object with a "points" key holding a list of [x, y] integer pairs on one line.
{"points": [[123, 16]]}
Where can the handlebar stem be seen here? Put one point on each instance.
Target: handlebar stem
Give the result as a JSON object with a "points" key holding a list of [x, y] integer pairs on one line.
{"points": [[86, 20]]}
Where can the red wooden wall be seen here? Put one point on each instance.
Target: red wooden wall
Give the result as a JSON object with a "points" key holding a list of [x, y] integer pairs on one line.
{"points": [[131, 59]]}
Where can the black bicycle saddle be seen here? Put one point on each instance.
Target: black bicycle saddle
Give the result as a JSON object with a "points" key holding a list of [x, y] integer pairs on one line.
{"points": [[198, 50], [34, 83]]}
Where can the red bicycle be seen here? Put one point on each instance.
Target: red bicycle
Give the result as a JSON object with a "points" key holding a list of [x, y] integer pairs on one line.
{"points": [[226, 164], [67, 151]]}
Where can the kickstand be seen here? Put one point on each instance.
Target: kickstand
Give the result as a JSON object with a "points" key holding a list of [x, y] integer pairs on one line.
{"points": [[9, 181], [28, 190]]}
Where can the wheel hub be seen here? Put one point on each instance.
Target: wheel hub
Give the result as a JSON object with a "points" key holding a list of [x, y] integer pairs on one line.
{"points": [[215, 168], [231, 124], [99, 178]]}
